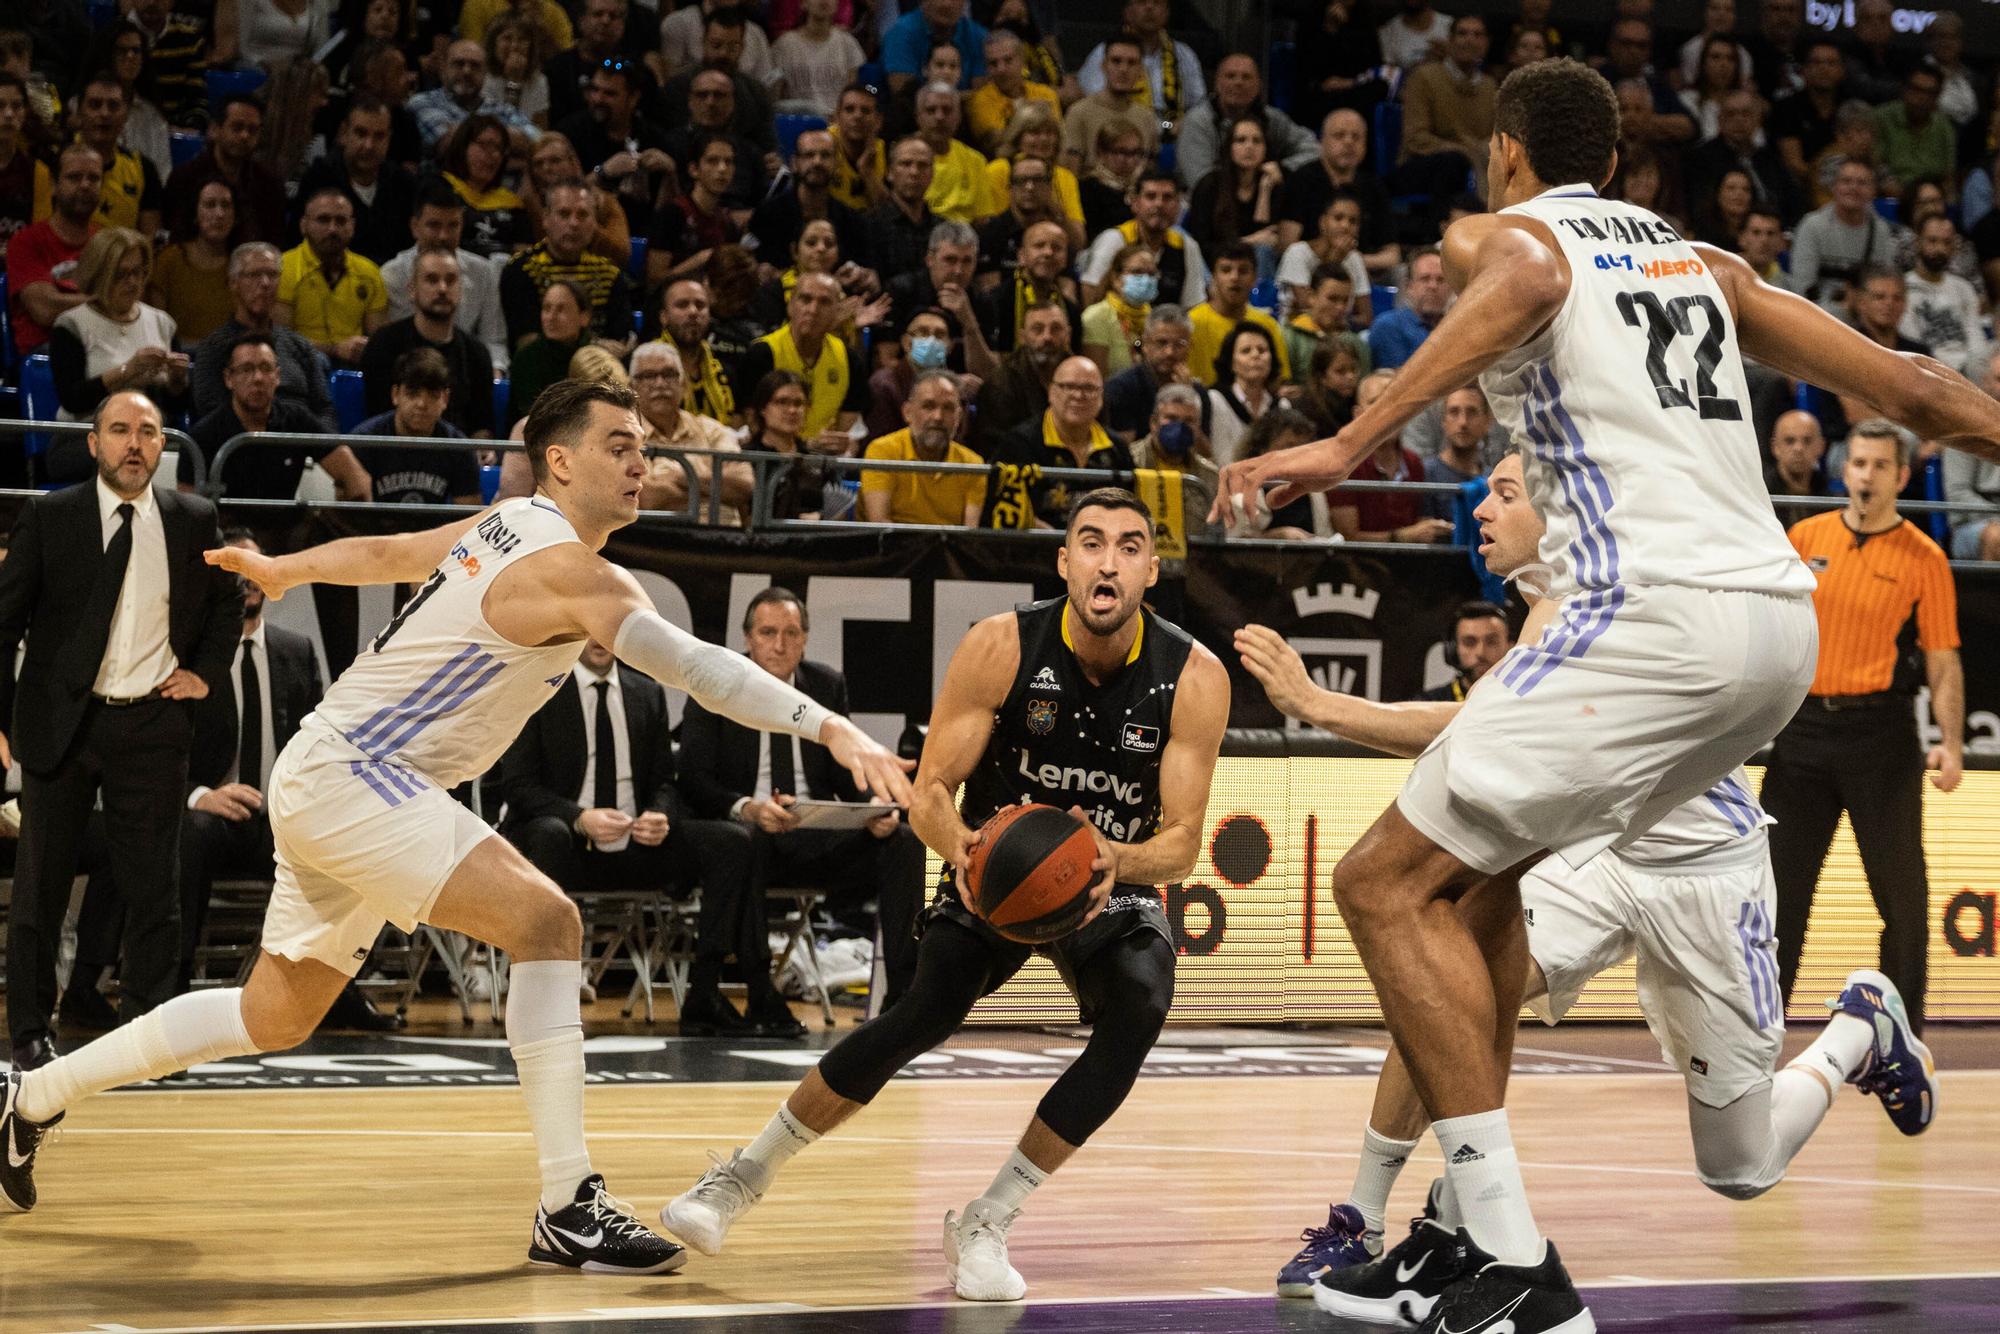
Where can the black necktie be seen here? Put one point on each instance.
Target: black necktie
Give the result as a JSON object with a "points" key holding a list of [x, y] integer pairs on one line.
{"points": [[94, 631], [250, 734], [782, 778], [607, 750]]}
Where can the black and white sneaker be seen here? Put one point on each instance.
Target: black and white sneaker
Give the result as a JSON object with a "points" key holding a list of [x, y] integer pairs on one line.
{"points": [[1511, 1299], [20, 1138], [598, 1234], [1402, 1286]]}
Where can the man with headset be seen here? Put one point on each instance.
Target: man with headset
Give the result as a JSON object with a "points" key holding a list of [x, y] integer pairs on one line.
{"points": [[1480, 636]]}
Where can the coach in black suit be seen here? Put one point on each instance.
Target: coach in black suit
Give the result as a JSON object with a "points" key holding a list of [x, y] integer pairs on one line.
{"points": [[126, 627], [729, 770], [598, 817]]}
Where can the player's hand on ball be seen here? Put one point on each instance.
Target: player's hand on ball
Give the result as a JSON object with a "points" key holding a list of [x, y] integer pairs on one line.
{"points": [[960, 859], [259, 569], [873, 764], [1277, 667], [1105, 864]]}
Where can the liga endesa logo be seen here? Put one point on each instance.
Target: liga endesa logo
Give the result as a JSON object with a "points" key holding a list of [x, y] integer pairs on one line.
{"points": [[1969, 923]]}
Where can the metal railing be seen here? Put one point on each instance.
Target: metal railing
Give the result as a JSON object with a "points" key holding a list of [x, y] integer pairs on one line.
{"points": [[180, 441]]}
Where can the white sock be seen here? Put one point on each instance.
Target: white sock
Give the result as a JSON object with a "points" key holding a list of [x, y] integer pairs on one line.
{"points": [[1450, 1216], [187, 1030], [1011, 1188], [1479, 1163], [1382, 1160], [781, 1137], [1799, 1102], [545, 1031], [1841, 1050]]}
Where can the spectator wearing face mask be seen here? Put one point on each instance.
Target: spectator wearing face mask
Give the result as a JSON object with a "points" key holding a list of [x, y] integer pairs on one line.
{"points": [[1175, 440], [926, 347], [1113, 327]]}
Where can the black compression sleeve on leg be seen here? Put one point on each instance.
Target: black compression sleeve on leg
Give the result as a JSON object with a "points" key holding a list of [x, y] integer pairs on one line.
{"points": [[953, 970], [1130, 986]]}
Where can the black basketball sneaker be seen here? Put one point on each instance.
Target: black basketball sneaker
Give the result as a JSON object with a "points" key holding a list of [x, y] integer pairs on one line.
{"points": [[1402, 1286], [1510, 1299], [598, 1234], [20, 1138]]}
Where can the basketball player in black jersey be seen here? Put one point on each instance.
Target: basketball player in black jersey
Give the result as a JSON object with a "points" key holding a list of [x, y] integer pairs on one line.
{"points": [[1089, 702]]}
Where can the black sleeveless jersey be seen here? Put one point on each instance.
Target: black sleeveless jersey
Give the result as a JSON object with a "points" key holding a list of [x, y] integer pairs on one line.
{"points": [[1062, 741]]}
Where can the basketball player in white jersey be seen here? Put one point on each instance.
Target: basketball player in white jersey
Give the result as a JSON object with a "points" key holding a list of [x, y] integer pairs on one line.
{"points": [[366, 829], [1693, 899], [1684, 635]]}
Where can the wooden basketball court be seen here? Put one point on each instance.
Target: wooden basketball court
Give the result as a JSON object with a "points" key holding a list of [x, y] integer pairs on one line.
{"points": [[197, 1207]]}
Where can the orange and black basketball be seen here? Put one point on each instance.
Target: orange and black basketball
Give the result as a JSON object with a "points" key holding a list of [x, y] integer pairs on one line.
{"points": [[1030, 876]]}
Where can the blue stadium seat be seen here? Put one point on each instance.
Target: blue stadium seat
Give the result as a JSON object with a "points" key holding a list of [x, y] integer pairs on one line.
{"points": [[638, 262], [1387, 139], [1264, 296], [38, 403], [1889, 207], [1283, 65], [873, 75], [489, 482], [350, 398], [1931, 477], [1169, 155], [791, 127], [1381, 300], [184, 147], [501, 388], [223, 82]]}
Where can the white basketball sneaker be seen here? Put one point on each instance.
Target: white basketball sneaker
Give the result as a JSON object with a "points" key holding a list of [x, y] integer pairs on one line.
{"points": [[975, 1256], [701, 1215]]}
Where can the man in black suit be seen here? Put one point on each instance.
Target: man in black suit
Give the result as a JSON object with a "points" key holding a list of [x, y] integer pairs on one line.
{"points": [[601, 817], [728, 770], [126, 626]]}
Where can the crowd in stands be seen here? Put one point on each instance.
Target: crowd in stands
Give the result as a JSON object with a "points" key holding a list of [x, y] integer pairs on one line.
{"points": [[861, 196]]}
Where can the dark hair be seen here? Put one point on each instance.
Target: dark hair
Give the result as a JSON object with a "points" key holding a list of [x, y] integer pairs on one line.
{"points": [[367, 104], [421, 368], [869, 91], [1238, 252], [1225, 356], [1867, 273], [18, 84], [1229, 177], [1566, 117], [1907, 201], [560, 413], [1124, 39], [576, 290], [451, 153], [776, 593], [1760, 209], [252, 338], [1274, 425], [1924, 68], [1155, 173], [698, 146], [1477, 610], [1323, 273], [768, 387], [436, 192], [1107, 498], [237, 532], [726, 16], [337, 191], [105, 78], [1708, 44], [1813, 44]]}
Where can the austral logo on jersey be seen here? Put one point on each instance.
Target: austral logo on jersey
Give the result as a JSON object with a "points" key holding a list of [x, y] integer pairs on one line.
{"points": [[1045, 679], [1625, 231]]}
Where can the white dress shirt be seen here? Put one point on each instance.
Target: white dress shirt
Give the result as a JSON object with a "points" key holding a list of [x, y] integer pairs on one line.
{"points": [[762, 791], [586, 684], [138, 656]]}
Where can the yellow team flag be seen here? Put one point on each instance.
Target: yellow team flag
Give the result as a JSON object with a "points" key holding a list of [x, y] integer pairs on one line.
{"points": [[1161, 490]]}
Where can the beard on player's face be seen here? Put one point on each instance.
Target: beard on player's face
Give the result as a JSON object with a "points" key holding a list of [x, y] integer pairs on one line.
{"points": [[1104, 600]]}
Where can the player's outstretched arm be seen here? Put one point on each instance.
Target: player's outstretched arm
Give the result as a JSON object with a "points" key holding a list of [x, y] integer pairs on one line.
{"points": [[1513, 282], [398, 558], [582, 592], [1790, 334], [1187, 770], [974, 686], [1393, 729]]}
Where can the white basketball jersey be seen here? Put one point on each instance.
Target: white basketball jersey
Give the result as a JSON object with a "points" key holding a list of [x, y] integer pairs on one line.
{"points": [[1633, 417], [1711, 827], [440, 691]]}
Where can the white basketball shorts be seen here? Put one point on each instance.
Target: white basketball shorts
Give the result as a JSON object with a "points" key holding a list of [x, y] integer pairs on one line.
{"points": [[1707, 956], [1633, 701], [359, 843]]}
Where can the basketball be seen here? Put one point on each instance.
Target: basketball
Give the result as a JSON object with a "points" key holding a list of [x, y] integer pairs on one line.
{"points": [[1030, 876]]}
